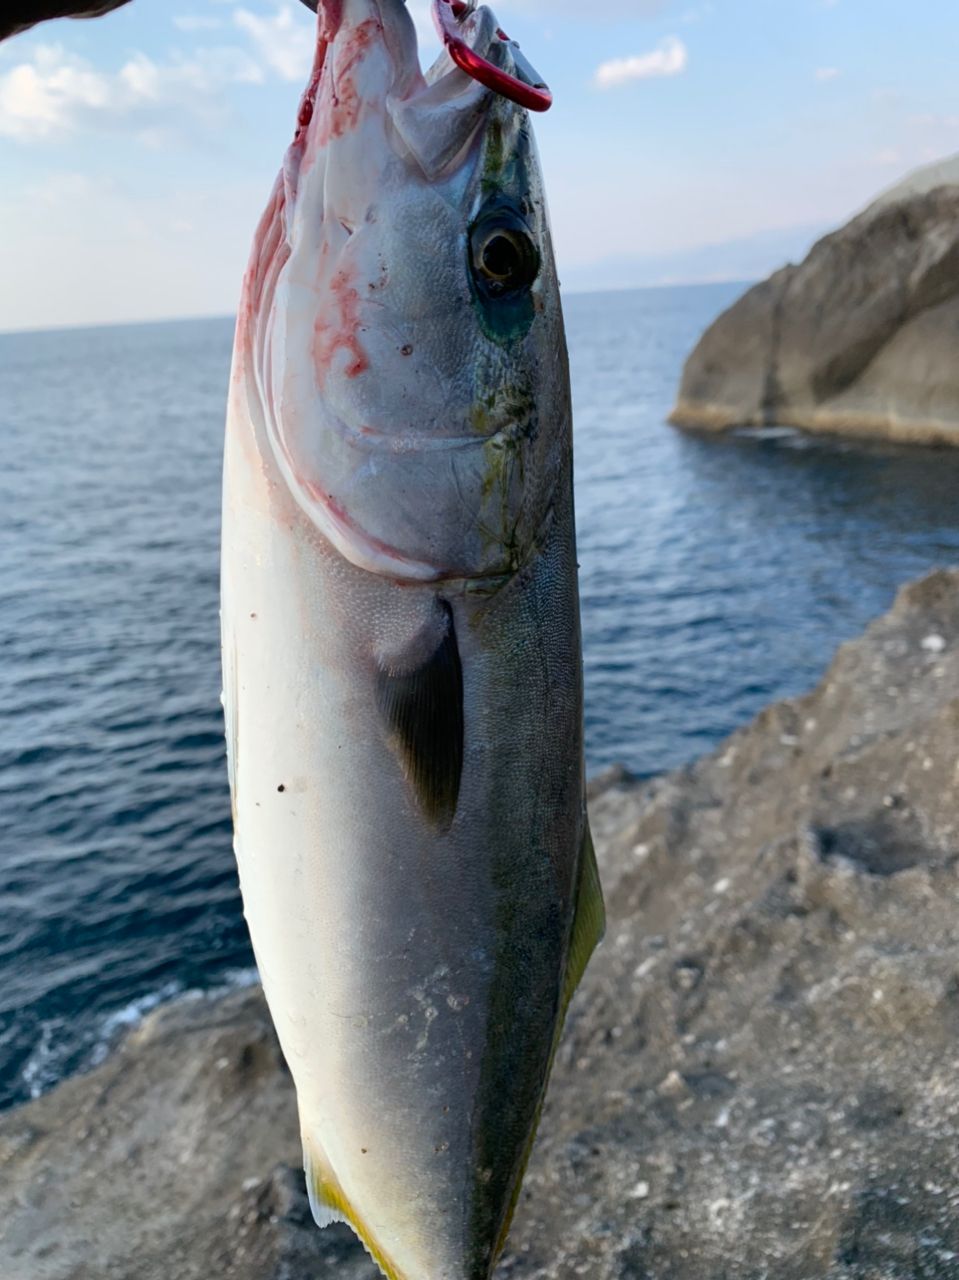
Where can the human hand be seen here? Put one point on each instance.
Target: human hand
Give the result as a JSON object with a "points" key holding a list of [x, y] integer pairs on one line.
{"points": [[18, 15]]}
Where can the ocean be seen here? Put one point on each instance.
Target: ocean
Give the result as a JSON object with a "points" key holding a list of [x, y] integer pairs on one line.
{"points": [[717, 575]]}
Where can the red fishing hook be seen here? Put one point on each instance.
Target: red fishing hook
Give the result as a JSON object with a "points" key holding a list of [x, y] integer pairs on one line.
{"points": [[448, 14]]}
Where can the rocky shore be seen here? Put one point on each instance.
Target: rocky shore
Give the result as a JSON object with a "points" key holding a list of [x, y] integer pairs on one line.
{"points": [[862, 338], [760, 1075]]}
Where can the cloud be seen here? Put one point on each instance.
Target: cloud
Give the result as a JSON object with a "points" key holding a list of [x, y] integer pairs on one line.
{"points": [[37, 97], [196, 22], [668, 59], [702, 11], [602, 9], [285, 43], [928, 120], [54, 92], [84, 250], [142, 78], [826, 73], [279, 40]]}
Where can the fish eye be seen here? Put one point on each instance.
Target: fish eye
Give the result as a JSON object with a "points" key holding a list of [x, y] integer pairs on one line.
{"points": [[505, 258]]}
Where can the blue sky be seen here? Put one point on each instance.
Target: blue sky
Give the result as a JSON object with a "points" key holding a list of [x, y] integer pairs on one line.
{"points": [[690, 140]]}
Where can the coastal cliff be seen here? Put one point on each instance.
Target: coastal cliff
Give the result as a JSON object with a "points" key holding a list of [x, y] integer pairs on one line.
{"points": [[760, 1074], [862, 338]]}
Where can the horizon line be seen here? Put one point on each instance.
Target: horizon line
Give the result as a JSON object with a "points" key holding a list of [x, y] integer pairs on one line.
{"points": [[143, 321]]}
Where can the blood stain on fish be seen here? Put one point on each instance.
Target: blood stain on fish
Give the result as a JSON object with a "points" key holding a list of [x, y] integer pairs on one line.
{"points": [[343, 102], [339, 332]]}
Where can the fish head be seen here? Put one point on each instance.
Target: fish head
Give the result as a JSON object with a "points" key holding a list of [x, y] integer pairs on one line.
{"points": [[405, 316]]}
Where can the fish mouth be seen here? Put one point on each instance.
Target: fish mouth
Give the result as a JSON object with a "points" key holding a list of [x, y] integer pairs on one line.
{"points": [[367, 62], [373, 439], [347, 32]]}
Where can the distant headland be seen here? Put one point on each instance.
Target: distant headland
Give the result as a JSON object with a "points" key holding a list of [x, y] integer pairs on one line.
{"points": [[862, 338]]}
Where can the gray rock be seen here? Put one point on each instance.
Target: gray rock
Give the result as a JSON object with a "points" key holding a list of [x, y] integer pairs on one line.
{"points": [[861, 339], [760, 1075]]}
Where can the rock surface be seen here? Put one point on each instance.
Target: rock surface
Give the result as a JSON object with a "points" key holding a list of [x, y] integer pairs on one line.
{"points": [[760, 1076], [862, 338]]}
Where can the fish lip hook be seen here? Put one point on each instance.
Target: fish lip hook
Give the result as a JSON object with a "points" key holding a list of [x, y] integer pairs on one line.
{"points": [[447, 15]]}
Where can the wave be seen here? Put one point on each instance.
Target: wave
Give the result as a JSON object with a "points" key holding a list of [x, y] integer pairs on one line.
{"points": [[54, 1056]]}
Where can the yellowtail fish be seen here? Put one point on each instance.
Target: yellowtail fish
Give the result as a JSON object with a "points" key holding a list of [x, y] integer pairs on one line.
{"points": [[401, 640]]}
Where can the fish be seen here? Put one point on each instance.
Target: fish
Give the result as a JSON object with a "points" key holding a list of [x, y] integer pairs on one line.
{"points": [[401, 639]]}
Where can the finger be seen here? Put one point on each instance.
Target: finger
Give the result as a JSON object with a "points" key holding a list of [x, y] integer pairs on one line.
{"points": [[18, 15], [21, 14]]}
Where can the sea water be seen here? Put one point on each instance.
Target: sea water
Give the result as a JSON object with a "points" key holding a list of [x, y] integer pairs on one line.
{"points": [[717, 575]]}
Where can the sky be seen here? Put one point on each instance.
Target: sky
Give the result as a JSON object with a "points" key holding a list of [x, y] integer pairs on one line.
{"points": [[691, 140]]}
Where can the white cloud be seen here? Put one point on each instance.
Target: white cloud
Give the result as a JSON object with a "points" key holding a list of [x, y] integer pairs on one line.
{"points": [[285, 40], [36, 97], [702, 11], [280, 41], [826, 73], [208, 71], [602, 9], [196, 22], [668, 59], [141, 77], [928, 120], [78, 250], [55, 92]]}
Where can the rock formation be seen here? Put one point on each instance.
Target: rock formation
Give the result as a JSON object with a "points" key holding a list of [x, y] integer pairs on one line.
{"points": [[760, 1075], [862, 338]]}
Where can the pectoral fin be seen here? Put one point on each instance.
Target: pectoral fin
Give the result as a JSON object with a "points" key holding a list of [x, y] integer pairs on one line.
{"points": [[422, 703]]}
